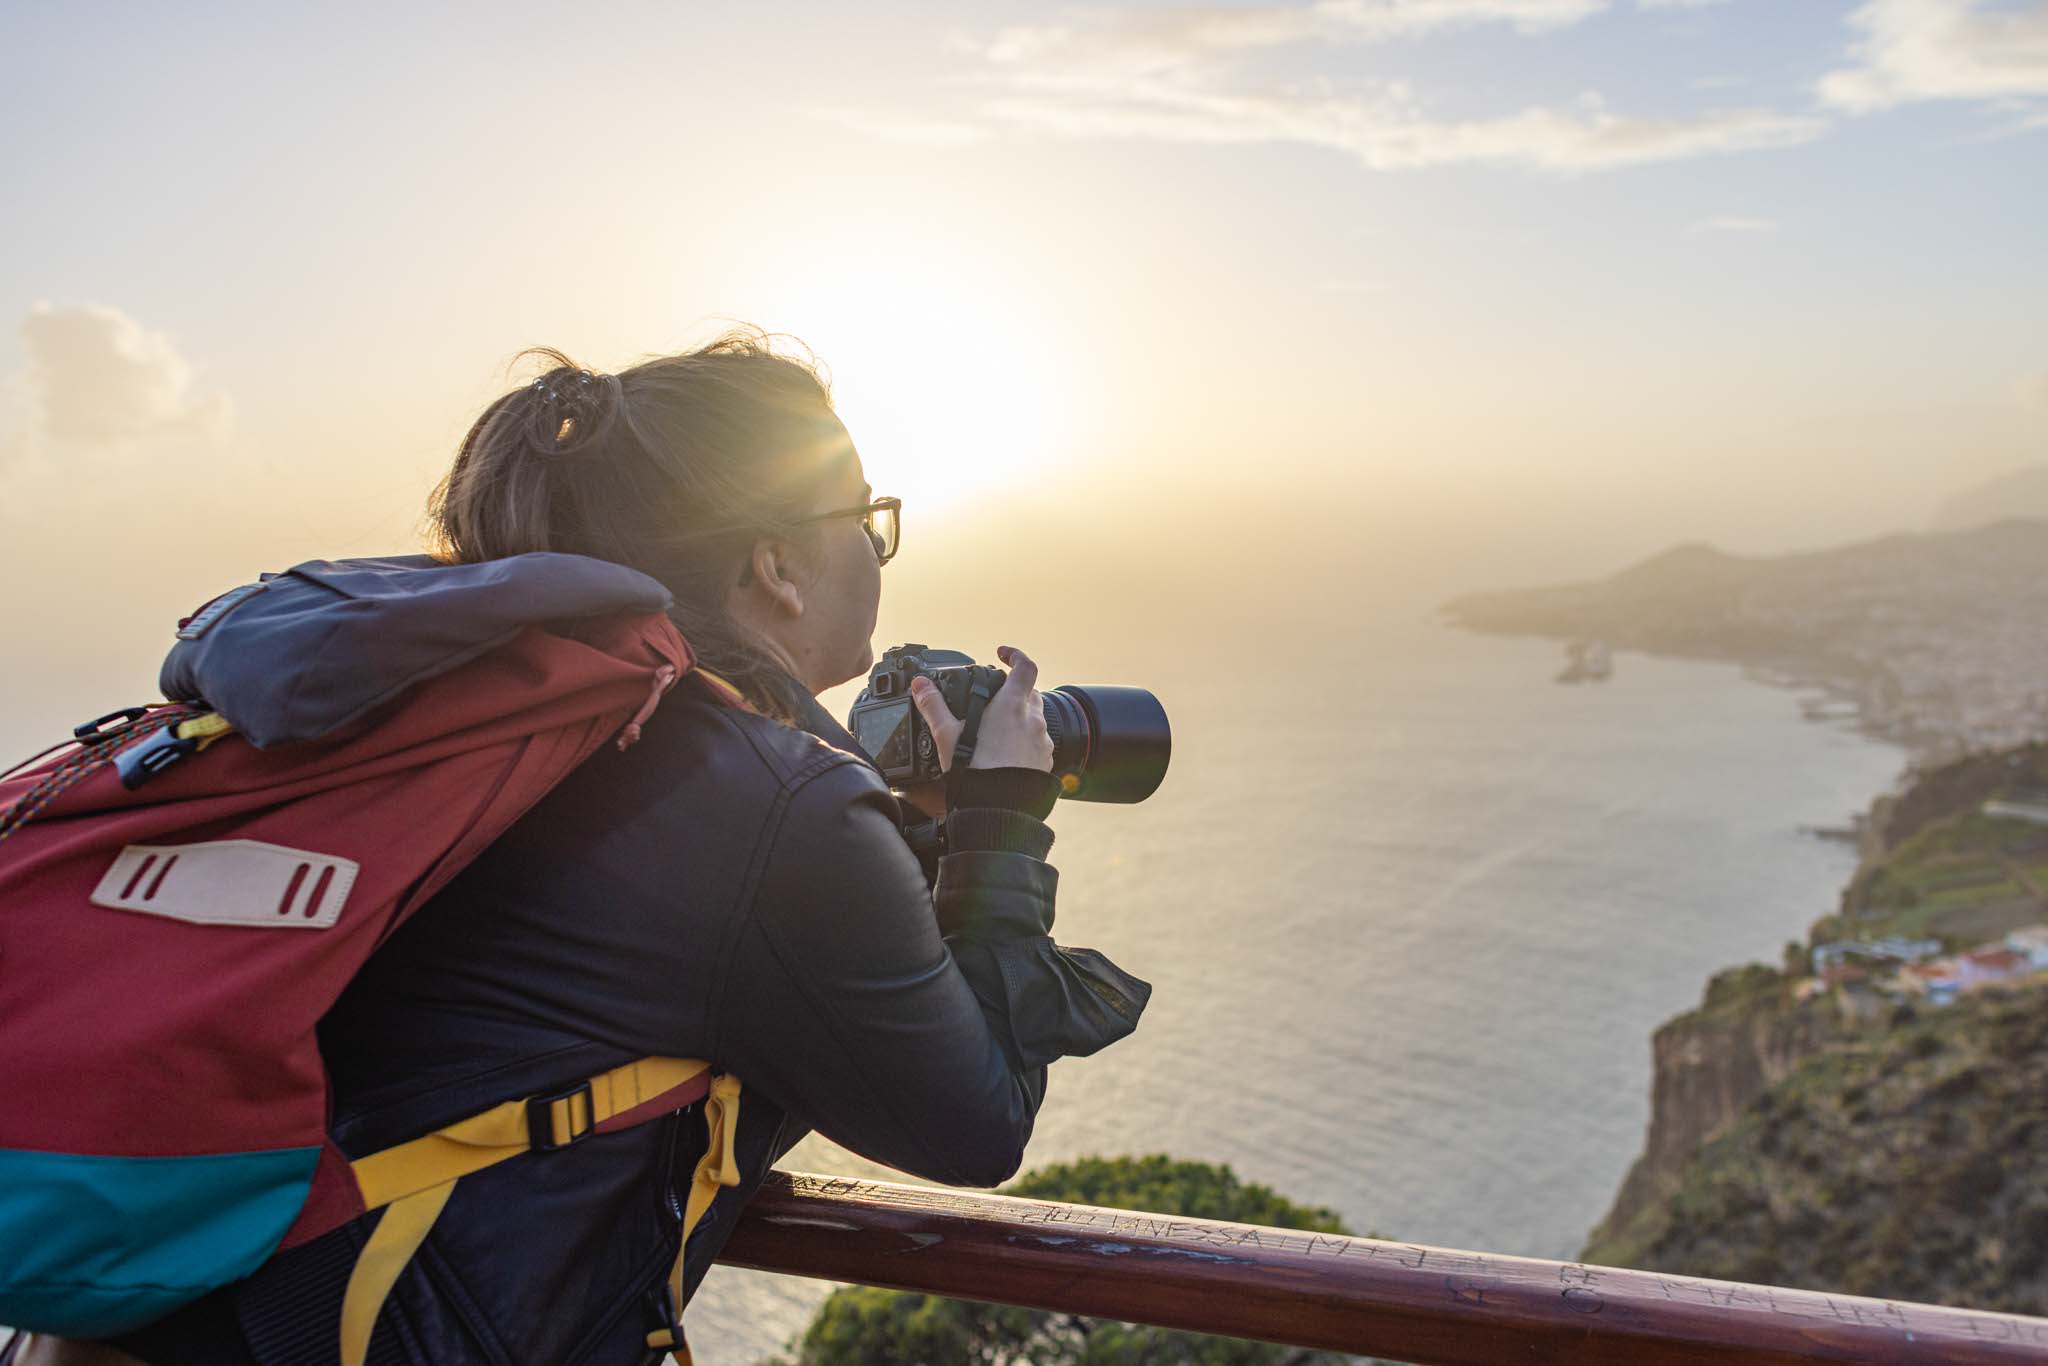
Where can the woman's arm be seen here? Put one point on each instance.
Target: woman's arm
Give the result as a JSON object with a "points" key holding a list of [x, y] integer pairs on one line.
{"points": [[911, 1025]]}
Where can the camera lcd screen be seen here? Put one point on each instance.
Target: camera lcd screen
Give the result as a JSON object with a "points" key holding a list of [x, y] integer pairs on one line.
{"points": [[884, 732]]}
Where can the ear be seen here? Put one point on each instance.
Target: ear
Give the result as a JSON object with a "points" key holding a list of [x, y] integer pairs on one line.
{"points": [[774, 566]]}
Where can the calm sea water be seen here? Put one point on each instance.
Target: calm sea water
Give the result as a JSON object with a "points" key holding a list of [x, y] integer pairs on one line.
{"points": [[1409, 938]]}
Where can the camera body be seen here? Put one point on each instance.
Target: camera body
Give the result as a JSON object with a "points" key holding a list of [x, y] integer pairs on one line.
{"points": [[888, 724], [1110, 744]]}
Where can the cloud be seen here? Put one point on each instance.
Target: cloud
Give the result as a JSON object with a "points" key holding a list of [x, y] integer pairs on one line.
{"points": [[1142, 42], [1175, 75], [1678, 4], [1914, 50], [97, 378], [1734, 223], [1389, 130]]}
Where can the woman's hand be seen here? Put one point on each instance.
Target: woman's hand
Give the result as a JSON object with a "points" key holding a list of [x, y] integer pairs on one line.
{"points": [[1013, 733]]}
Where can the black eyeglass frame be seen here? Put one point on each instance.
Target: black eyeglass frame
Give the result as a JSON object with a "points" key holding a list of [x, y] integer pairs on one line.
{"points": [[885, 550]]}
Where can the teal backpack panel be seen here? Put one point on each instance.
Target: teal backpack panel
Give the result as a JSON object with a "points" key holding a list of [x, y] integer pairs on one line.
{"points": [[91, 1246]]}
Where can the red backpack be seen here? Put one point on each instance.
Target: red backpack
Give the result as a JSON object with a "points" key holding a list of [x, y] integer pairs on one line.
{"points": [[185, 892]]}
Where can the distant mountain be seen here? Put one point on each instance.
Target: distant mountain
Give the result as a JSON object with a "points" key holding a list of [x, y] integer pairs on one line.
{"points": [[1938, 638], [2022, 493]]}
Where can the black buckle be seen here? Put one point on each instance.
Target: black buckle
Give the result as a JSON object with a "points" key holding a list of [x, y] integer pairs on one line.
{"points": [[540, 1122], [92, 732], [140, 762]]}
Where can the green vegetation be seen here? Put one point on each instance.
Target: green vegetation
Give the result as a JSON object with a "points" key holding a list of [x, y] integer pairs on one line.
{"points": [[1961, 878], [1742, 986], [863, 1326], [1909, 1163]]}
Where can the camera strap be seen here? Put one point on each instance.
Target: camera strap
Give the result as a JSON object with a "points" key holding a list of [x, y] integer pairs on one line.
{"points": [[978, 694]]}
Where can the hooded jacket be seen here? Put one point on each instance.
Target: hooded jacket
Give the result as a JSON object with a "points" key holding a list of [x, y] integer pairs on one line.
{"points": [[731, 888]]}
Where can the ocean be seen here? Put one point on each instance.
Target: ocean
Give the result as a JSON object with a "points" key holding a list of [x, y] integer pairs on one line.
{"points": [[1411, 912]]}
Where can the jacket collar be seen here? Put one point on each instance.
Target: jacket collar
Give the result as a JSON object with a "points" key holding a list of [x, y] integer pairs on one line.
{"points": [[815, 719]]}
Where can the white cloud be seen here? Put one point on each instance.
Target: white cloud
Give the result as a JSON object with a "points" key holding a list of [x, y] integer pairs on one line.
{"points": [[1143, 42], [1173, 75], [1739, 224], [1913, 50], [1678, 4], [1389, 130], [96, 378]]}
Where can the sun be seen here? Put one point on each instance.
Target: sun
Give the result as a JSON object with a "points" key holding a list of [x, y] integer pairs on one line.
{"points": [[949, 373]]}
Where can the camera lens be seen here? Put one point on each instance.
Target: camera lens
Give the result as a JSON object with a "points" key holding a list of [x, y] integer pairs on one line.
{"points": [[1109, 744]]}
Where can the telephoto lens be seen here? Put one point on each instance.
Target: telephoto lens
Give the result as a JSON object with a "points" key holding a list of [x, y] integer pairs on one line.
{"points": [[1109, 744]]}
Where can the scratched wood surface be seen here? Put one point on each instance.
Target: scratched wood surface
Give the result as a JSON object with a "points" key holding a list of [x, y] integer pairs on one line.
{"points": [[1418, 1304]]}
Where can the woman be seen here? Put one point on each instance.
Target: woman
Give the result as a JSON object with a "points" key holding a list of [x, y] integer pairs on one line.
{"points": [[734, 887]]}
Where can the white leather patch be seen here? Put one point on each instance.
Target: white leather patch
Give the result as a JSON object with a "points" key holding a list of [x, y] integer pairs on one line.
{"points": [[229, 882]]}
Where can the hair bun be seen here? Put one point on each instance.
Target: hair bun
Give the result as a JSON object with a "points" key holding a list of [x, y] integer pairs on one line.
{"points": [[573, 408]]}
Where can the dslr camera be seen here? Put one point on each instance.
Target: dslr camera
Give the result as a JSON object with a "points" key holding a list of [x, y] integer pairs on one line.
{"points": [[1109, 744]]}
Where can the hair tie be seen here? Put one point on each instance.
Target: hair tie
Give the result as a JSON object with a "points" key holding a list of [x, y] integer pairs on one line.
{"points": [[575, 411]]}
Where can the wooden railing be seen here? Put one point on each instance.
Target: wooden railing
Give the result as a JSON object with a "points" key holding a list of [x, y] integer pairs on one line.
{"points": [[1425, 1305]]}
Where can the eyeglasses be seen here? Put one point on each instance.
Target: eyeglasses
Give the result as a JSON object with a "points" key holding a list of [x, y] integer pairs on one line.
{"points": [[881, 519]]}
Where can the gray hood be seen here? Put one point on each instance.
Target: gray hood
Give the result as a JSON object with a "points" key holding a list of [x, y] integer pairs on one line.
{"points": [[303, 654]]}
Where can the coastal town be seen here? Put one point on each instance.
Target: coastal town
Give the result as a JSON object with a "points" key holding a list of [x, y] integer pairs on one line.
{"points": [[1868, 976], [1946, 906]]}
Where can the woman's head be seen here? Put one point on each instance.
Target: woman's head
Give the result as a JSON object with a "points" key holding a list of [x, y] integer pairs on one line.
{"points": [[706, 470]]}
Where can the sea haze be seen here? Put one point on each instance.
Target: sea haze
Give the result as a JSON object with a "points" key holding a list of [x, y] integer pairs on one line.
{"points": [[1412, 912]]}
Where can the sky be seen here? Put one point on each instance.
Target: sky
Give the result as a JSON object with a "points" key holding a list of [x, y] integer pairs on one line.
{"points": [[1150, 313]]}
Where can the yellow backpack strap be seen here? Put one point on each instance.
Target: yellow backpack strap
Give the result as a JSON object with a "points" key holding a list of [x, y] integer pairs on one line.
{"points": [[412, 1181], [205, 729], [717, 1169], [723, 690]]}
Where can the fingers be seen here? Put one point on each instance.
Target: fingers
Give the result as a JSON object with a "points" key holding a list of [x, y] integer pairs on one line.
{"points": [[938, 718], [1013, 729], [1023, 669]]}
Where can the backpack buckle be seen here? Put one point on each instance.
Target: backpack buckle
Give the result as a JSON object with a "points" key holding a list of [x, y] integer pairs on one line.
{"points": [[92, 732], [540, 1119], [158, 751]]}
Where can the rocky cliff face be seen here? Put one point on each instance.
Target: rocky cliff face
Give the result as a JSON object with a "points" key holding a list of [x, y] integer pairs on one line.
{"points": [[1854, 1142], [1710, 1065], [1909, 1162]]}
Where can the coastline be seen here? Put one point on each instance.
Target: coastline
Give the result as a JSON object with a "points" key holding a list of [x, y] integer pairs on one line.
{"points": [[1710, 1060], [1758, 1090]]}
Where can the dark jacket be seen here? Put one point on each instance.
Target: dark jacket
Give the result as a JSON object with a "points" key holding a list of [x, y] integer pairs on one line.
{"points": [[730, 888]]}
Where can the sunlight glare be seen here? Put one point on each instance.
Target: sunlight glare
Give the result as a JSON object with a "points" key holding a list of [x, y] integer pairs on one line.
{"points": [[947, 374]]}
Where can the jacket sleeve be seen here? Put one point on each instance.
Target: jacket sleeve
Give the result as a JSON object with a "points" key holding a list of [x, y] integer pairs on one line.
{"points": [[909, 1024]]}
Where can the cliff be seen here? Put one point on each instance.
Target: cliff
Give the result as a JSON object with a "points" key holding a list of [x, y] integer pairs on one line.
{"points": [[1840, 1134], [1908, 1163], [1710, 1066]]}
